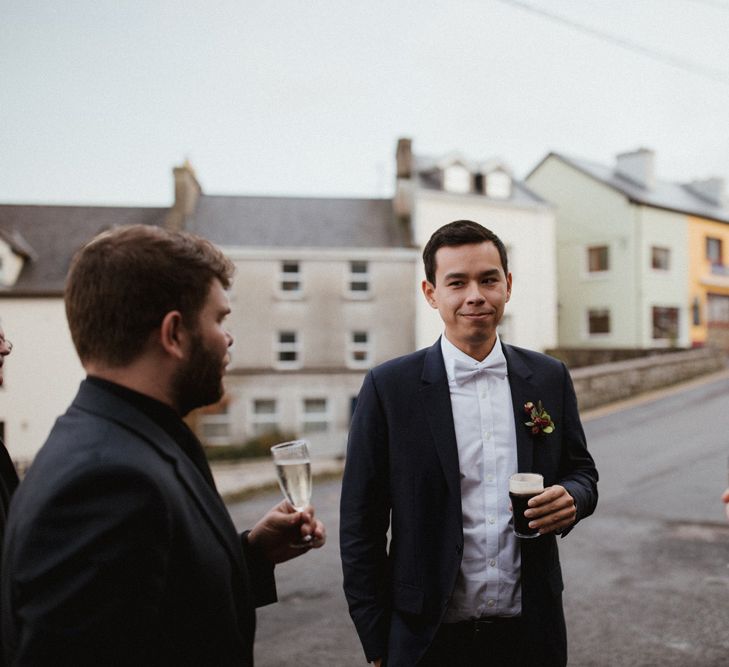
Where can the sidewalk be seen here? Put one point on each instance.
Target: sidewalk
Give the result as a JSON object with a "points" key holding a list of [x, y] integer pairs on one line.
{"points": [[238, 479]]}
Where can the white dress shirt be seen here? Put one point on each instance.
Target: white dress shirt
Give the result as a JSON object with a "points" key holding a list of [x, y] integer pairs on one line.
{"points": [[488, 583]]}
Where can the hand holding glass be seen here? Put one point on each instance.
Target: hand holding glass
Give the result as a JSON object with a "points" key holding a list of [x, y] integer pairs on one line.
{"points": [[293, 467]]}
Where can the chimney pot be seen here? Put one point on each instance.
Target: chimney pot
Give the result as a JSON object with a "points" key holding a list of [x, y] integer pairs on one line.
{"points": [[404, 157], [638, 166]]}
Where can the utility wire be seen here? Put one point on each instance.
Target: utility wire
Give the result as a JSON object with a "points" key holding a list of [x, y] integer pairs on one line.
{"points": [[721, 76]]}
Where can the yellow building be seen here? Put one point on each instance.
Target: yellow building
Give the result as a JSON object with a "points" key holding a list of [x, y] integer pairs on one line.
{"points": [[709, 281]]}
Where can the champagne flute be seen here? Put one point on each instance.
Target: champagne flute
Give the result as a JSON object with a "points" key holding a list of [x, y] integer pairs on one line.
{"points": [[293, 468]]}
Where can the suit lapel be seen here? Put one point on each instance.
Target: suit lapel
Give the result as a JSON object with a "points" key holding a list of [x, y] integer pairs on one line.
{"points": [[436, 399], [94, 399], [522, 391]]}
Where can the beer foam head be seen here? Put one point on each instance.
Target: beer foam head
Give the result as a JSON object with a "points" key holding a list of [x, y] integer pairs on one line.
{"points": [[526, 482]]}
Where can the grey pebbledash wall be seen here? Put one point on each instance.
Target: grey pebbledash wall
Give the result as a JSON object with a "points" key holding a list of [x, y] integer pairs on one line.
{"points": [[605, 383]]}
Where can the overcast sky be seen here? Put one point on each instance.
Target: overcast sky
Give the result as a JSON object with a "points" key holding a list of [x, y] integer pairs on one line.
{"points": [[99, 99]]}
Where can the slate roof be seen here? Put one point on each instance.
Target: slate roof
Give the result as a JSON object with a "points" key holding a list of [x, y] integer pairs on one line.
{"points": [[665, 195], [298, 222], [50, 235], [427, 170]]}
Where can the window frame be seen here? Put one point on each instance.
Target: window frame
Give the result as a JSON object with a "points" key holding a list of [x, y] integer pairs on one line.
{"points": [[359, 277], [719, 242], [597, 273], [606, 312], [290, 277], [287, 347], [258, 419], [215, 419], [304, 419], [660, 249], [353, 347], [667, 337]]}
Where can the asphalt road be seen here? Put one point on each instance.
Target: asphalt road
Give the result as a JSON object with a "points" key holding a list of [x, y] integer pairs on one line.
{"points": [[647, 577]]}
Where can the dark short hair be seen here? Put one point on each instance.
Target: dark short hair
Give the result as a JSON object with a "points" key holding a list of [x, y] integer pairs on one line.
{"points": [[460, 232], [123, 282]]}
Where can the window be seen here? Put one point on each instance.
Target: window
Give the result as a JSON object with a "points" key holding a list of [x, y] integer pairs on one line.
{"points": [[598, 259], [359, 353], [359, 278], [660, 258], [264, 416], [598, 321], [457, 179], [290, 278], [714, 251], [717, 309], [287, 350], [665, 323], [316, 415], [215, 427], [498, 185]]}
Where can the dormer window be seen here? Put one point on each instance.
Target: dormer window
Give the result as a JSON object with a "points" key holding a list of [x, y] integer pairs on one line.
{"points": [[457, 179], [497, 185]]}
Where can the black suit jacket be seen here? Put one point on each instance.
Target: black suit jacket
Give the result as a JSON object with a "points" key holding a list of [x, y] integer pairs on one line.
{"points": [[118, 552], [8, 484], [402, 472]]}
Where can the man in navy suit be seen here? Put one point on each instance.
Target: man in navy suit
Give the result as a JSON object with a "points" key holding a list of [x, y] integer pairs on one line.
{"points": [[434, 439], [119, 550]]}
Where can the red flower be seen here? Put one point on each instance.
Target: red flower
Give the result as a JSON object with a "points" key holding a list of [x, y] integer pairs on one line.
{"points": [[539, 422]]}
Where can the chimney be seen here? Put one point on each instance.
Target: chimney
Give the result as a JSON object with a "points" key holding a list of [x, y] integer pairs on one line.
{"points": [[404, 158], [637, 166], [711, 189], [187, 192]]}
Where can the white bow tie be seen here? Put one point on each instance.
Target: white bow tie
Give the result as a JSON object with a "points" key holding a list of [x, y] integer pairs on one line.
{"points": [[464, 371]]}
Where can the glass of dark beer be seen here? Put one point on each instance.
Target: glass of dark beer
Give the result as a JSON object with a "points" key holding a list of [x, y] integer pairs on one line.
{"points": [[522, 487]]}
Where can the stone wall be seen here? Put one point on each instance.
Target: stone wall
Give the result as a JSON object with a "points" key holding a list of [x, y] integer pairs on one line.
{"points": [[577, 357], [599, 385]]}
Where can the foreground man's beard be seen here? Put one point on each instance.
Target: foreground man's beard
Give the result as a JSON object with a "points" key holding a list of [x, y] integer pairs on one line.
{"points": [[200, 382]]}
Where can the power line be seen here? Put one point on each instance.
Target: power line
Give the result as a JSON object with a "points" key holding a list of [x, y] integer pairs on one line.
{"points": [[721, 76]]}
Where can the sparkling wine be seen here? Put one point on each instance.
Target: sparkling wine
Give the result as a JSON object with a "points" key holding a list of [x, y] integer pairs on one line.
{"points": [[294, 477]]}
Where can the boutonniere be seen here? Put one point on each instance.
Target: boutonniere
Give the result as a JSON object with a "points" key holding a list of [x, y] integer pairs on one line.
{"points": [[539, 420]]}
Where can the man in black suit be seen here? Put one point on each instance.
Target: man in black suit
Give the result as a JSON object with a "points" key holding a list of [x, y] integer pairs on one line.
{"points": [[434, 439], [8, 475], [119, 550]]}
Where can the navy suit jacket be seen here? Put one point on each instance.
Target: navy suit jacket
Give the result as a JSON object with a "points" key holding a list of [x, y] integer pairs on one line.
{"points": [[402, 474], [118, 552]]}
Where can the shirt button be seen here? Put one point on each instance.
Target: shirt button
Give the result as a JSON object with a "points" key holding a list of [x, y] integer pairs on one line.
{"points": [[489, 478], [492, 562], [491, 603], [491, 519], [486, 435]]}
